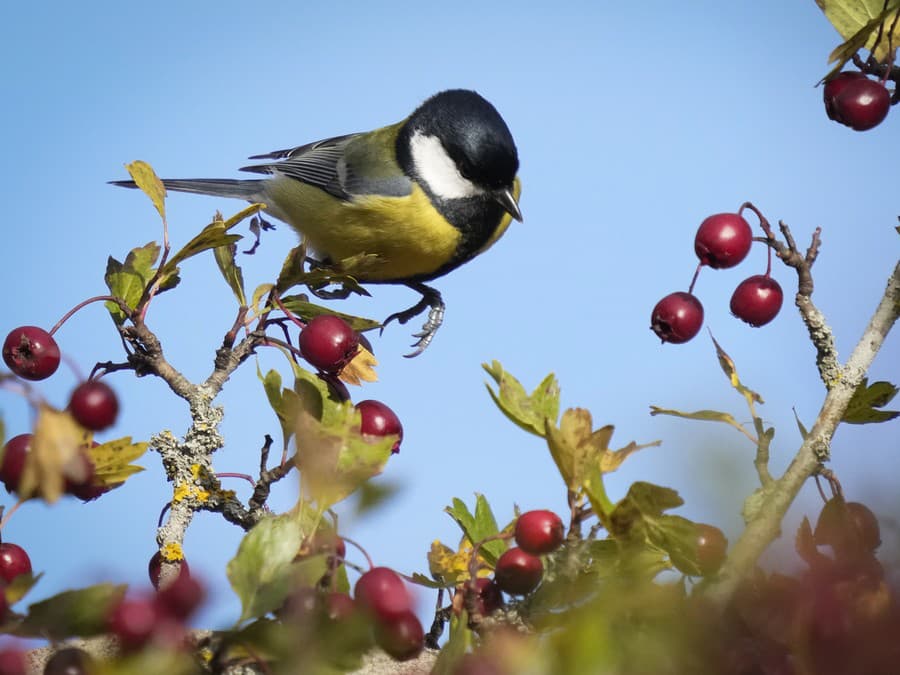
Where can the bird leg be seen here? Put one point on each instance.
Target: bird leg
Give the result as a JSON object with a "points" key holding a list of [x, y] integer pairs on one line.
{"points": [[431, 298]]}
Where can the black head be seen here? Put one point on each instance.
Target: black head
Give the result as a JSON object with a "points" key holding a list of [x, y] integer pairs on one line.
{"points": [[472, 133]]}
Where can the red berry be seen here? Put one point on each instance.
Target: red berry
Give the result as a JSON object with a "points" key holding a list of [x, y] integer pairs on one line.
{"points": [[382, 592], [133, 621], [13, 561], [300, 605], [539, 532], [476, 664], [862, 104], [757, 300], [723, 240], [677, 317], [834, 86], [488, 598], [850, 528], [31, 352], [401, 636], [181, 597], [518, 572], [94, 405], [328, 343], [154, 569], [69, 661], [14, 461], [711, 548], [379, 420], [13, 662]]}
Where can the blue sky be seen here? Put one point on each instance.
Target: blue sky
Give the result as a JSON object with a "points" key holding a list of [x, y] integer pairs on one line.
{"points": [[634, 121]]}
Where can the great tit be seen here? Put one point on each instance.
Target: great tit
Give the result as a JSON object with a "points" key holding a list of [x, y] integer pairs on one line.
{"points": [[420, 197]]}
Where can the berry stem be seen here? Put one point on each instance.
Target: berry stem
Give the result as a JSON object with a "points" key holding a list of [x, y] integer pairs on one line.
{"points": [[97, 298], [9, 513], [359, 547], [242, 476], [694, 279]]}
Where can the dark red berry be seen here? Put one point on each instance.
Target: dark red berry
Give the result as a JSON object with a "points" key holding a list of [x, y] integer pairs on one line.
{"points": [[154, 569], [94, 405], [834, 86], [328, 343], [518, 572], [757, 300], [539, 532], [13, 561], [133, 621], [401, 636], [850, 528], [862, 104], [301, 605], [14, 461], [13, 662], [488, 598], [31, 352], [381, 592], [69, 661], [476, 664], [723, 240], [677, 317], [379, 420], [182, 597], [709, 547]]}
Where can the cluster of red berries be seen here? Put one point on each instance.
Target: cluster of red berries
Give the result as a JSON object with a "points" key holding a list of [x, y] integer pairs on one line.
{"points": [[328, 343], [855, 101], [722, 241], [12, 463], [519, 569], [380, 598], [14, 562], [32, 353], [157, 618]]}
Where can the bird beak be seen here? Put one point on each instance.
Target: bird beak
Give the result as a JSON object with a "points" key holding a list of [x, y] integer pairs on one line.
{"points": [[508, 202]]}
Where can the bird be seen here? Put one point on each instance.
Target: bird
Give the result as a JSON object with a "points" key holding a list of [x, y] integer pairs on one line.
{"points": [[402, 204]]}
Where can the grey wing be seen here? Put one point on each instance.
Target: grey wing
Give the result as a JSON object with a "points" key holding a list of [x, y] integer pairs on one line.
{"points": [[320, 164]]}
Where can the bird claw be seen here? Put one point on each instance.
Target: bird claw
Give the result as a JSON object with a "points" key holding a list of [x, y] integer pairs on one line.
{"points": [[431, 300]]}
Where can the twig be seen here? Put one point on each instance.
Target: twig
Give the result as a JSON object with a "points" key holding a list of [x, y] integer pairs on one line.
{"points": [[765, 526]]}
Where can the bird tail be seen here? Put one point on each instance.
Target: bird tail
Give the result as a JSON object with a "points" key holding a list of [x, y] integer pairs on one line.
{"points": [[251, 190]]}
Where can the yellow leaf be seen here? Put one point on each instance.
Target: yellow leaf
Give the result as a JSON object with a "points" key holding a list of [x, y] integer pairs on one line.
{"points": [[112, 460], [730, 370], [858, 22], [55, 455], [150, 184], [361, 368]]}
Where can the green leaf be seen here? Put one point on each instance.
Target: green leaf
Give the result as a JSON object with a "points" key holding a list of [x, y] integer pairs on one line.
{"points": [[129, 279], [81, 612], [19, 587], [858, 22], [263, 571], [284, 402], [334, 457], [299, 305], [703, 415], [479, 526], [149, 183], [633, 517], [460, 642], [803, 431], [864, 404], [212, 236], [231, 271], [532, 413]]}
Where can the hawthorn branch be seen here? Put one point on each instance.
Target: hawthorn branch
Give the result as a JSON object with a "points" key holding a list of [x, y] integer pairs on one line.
{"points": [[766, 523]]}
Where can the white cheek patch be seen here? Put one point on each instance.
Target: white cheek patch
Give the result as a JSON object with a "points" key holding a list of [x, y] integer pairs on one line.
{"points": [[438, 170]]}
